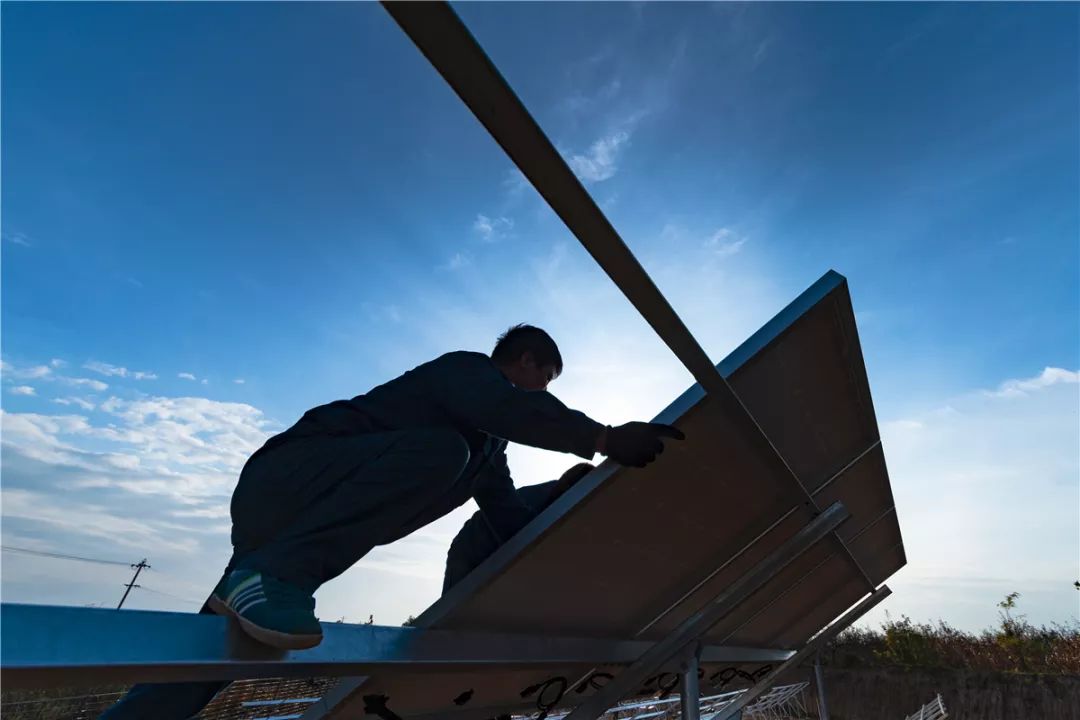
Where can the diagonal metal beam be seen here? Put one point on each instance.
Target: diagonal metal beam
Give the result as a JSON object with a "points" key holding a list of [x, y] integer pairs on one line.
{"points": [[441, 36], [816, 643], [699, 623], [444, 40]]}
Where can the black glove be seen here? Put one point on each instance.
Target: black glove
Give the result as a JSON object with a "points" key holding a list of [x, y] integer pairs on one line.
{"points": [[571, 478], [637, 444]]}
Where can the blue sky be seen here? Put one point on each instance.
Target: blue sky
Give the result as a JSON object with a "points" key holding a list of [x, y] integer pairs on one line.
{"points": [[263, 207]]}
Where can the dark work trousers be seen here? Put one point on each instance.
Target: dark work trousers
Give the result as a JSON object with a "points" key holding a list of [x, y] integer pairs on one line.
{"points": [[457, 567], [306, 510]]}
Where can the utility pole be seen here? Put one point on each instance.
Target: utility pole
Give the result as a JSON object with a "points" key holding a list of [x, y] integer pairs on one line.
{"points": [[138, 569]]}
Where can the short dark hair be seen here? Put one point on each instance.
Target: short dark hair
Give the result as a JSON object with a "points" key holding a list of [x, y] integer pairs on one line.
{"points": [[524, 338]]}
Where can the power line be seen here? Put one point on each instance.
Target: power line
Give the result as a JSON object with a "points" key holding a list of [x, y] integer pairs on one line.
{"points": [[170, 595], [42, 553]]}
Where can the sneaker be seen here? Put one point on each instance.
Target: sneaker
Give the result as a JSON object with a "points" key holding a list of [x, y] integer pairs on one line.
{"points": [[269, 610]]}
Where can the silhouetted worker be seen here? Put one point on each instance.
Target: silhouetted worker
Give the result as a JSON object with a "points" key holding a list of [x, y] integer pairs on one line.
{"points": [[359, 473], [477, 539]]}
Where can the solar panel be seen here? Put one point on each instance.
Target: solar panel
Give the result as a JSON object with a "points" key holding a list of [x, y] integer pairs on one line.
{"points": [[633, 553]]}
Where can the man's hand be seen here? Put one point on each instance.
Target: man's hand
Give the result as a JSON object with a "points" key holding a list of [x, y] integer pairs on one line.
{"points": [[570, 478], [636, 444]]}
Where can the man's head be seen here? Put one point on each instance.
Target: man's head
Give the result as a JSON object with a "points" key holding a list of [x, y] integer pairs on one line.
{"points": [[528, 357]]}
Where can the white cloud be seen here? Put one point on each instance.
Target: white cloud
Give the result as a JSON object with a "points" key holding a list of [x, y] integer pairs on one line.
{"points": [[204, 381], [57, 363], [588, 103], [92, 521], [382, 313], [151, 478], [492, 229], [105, 369], [117, 371], [760, 52], [725, 242], [1049, 376], [16, 238], [85, 382], [34, 372], [186, 451], [80, 402], [457, 261], [239, 381], [185, 376], [515, 182], [599, 162], [22, 390]]}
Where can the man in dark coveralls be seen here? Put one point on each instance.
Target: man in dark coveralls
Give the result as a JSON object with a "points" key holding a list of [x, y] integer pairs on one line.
{"points": [[355, 474]]}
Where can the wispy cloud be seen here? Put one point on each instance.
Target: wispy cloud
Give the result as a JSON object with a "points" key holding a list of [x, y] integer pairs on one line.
{"points": [[185, 376], [22, 390], [457, 261], [515, 182], [760, 53], [32, 372], [725, 242], [492, 229], [1049, 376], [80, 402], [239, 381], [599, 162], [45, 373], [117, 371], [382, 313], [587, 103], [16, 238], [85, 382]]}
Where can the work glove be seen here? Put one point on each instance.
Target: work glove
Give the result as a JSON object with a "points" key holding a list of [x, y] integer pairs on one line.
{"points": [[570, 478], [636, 444]]}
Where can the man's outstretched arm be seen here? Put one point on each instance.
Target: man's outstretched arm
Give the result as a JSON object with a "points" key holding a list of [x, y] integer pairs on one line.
{"points": [[473, 389]]}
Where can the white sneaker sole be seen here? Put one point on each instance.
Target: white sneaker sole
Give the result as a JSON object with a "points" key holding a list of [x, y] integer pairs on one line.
{"points": [[273, 638]]}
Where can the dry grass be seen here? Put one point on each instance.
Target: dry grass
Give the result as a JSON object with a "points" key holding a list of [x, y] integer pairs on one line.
{"points": [[1015, 646]]}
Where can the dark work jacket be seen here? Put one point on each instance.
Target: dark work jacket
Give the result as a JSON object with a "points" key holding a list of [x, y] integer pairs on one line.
{"points": [[465, 392]]}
